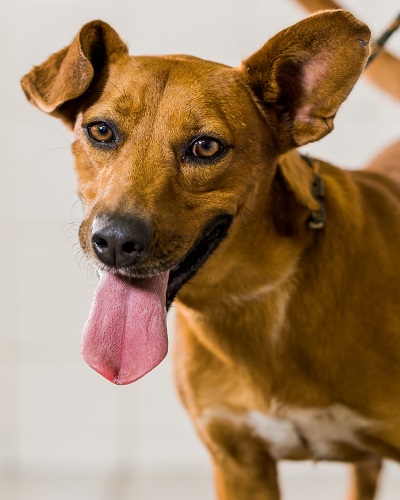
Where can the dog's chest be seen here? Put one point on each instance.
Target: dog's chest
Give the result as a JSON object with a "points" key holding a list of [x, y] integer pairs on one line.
{"points": [[316, 433]]}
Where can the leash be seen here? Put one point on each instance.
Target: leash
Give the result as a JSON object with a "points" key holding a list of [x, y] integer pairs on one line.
{"points": [[380, 43]]}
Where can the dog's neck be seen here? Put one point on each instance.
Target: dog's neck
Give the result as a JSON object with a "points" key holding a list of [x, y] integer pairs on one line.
{"points": [[266, 240], [270, 236]]}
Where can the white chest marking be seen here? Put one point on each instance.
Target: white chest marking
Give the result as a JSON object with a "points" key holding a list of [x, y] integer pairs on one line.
{"points": [[301, 433]]}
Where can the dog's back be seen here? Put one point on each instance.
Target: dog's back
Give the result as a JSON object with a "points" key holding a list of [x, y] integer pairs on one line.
{"points": [[388, 162]]}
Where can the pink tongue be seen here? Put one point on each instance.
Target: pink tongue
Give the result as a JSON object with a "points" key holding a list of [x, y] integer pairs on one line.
{"points": [[126, 334]]}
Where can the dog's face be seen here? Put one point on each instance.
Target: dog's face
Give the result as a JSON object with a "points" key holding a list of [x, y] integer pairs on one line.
{"points": [[169, 151], [168, 154]]}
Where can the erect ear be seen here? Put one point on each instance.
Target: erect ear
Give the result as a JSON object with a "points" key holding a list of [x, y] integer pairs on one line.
{"points": [[302, 75], [56, 85]]}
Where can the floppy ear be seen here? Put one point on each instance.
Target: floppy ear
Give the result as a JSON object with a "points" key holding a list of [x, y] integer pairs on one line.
{"points": [[302, 75], [56, 85]]}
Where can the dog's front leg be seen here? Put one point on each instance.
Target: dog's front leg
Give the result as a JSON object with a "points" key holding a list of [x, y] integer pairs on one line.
{"points": [[243, 467], [232, 485], [365, 480]]}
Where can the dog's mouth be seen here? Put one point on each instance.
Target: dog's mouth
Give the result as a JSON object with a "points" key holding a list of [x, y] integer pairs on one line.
{"points": [[198, 255], [125, 336]]}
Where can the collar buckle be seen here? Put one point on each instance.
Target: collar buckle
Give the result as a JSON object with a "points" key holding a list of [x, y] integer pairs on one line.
{"points": [[317, 218]]}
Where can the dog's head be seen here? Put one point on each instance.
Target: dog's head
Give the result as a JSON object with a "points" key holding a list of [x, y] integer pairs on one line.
{"points": [[169, 151]]}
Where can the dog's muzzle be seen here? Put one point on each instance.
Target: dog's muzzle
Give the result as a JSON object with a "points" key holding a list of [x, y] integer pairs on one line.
{"points": [[122, 241]]}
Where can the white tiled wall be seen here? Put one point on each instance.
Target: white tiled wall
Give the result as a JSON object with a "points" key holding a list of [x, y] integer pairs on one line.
{"points": [[58, 419]]}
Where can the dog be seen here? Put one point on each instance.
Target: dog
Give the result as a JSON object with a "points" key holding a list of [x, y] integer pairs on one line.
{"points": [[285, 268]]}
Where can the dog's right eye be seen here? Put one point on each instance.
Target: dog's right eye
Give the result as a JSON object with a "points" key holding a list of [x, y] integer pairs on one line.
{"points": [[205, 149], [100, 132]]}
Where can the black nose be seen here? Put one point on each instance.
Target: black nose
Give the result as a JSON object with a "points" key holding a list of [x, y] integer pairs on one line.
{"points": [[120, 240]]}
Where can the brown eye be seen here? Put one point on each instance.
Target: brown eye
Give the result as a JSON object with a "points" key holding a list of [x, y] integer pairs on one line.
{"points": [[100, 132], [206, 148]]}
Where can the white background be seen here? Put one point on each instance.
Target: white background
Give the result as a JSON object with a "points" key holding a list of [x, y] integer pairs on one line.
{"points": [[64, 431]]}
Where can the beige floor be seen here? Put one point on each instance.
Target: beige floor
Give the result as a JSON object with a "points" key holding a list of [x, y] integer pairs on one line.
{"points": [[299, 483]]}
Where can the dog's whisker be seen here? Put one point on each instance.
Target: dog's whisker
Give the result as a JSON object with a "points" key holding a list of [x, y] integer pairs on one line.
{"points": [[122, 93], [75, 203], [251, 216], [52, 150], [243, 224]]}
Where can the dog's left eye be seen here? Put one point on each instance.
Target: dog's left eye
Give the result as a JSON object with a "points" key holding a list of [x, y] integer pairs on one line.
{"points": [[100, 132], [205, 148]]}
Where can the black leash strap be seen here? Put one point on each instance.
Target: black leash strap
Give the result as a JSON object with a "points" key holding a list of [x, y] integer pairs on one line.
{"points": [[379, 44]]}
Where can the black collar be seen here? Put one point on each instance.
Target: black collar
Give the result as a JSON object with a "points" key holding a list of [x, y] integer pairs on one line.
{"points": [[317, 218]]}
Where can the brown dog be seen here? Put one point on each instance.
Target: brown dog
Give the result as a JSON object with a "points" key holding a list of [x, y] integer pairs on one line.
{"points": [[289, 317]]}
